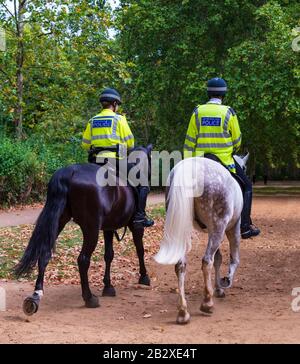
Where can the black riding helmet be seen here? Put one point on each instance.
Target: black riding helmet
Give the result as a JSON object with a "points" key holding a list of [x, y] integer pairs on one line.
{"points": [[216, 87], [110, 95]]}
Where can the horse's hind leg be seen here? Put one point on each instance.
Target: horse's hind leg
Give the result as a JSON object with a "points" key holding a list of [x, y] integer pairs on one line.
{"points": [[108, 289], [138, 234], [219, 291], [214, 243], [183, 314], [234, 237], [90, 240], [31, 303]]}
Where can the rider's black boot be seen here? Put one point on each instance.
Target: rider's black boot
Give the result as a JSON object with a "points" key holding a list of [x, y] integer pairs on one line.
{"points": [[140, 217], [248, 230]]}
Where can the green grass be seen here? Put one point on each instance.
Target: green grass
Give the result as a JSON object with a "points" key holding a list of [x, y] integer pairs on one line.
{"points": [[274, 190], [13, 241], [158, 211], [10, 249]]}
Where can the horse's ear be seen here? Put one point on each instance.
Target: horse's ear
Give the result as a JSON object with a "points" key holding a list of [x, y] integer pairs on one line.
{"points": [[149, 148], [246, 157]]}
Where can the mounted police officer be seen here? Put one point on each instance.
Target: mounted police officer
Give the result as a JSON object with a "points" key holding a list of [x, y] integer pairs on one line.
{"points": [[214, 130], [108, 134]]}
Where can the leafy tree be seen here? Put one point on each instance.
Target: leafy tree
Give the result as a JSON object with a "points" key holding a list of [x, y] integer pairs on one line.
{"points": [[263, 72], [67, 58], [174, 47]]}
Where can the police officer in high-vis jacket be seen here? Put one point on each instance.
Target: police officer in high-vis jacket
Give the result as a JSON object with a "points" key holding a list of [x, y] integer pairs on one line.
{"points": [[214, 129], [108, 129], [111, 134]]}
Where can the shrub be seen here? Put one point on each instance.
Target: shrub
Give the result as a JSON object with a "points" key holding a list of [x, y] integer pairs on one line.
{"points": [[26, 167]]}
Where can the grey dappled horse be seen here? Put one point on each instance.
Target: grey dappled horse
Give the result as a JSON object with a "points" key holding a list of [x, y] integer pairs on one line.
{"points": [[202, 193]]}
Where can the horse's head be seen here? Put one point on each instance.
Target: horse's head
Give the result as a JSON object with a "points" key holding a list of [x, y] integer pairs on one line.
{"points": [[242, 160]]}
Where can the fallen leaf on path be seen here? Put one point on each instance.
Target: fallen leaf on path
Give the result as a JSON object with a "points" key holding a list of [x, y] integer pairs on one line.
{"points": [[142, 286]]}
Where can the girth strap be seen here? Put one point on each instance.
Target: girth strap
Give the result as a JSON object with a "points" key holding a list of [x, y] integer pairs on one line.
{"points": [[117, 235]]}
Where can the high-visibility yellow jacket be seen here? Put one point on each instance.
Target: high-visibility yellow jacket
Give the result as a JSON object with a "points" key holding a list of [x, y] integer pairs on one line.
{"points": [[108, 129], [213, 128]]}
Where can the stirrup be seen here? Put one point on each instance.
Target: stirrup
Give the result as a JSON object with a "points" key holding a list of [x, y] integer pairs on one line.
{"points": [[144, 221], [251, 232], [148, 222]]}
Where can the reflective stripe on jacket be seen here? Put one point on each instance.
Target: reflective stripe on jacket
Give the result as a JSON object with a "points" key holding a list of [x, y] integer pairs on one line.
{"points": [[108, 129], [213, 128]]}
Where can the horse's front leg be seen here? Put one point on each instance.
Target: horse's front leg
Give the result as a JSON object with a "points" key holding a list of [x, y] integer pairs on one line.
{"points": [[214, 242], [183, 314], [108, 289], [137, 234], [234, 237], [219, 291], [90, 240]]}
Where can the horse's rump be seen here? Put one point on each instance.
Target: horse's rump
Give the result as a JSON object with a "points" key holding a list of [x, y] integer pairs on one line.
{"points": [[206, 185]]}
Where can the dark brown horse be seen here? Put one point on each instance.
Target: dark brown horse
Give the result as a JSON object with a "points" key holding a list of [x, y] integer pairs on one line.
{"points": [[74, 192]]}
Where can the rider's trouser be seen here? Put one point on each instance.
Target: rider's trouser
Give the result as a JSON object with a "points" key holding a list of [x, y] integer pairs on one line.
{"points": [[142, 201], [246, 212], [143, 192]]}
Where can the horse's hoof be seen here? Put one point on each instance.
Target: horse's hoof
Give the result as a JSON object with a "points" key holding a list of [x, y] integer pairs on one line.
{"points": [[207, 308], [109, 292], [92, 302], [225, 282], [30, 306], [183, 318], [145, 280], [219, 293]]}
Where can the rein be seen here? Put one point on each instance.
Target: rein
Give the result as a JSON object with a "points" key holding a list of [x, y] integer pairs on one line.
{"points": [[117, 235]]}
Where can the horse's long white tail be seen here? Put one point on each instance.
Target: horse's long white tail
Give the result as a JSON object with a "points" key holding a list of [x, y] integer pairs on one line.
{"points": [[176, 242]]}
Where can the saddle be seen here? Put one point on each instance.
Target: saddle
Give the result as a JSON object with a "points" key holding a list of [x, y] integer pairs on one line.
{"points": [[113, 168], [234, 175], [93, 152]]}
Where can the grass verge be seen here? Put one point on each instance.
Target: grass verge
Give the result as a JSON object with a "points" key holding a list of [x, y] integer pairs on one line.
{"points": [[63, 267]]}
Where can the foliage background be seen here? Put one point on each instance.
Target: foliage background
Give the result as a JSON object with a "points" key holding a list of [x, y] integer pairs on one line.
{"points": [[160, 57]]}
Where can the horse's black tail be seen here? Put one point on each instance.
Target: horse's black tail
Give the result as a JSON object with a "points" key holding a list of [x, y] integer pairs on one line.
{"points": [[43, 238]]}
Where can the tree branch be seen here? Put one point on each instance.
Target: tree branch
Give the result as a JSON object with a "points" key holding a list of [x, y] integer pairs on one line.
{"points": [[7, 76], [7, 10], [16, 16], [42, 34], [22, 3], [5, 27]]}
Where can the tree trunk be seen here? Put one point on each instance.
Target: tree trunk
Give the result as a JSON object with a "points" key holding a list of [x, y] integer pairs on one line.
{"points": [[19, 15]]}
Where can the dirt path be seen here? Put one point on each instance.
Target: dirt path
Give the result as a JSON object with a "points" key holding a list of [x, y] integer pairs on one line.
{"points": [[29, 215], [256, 310]]}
